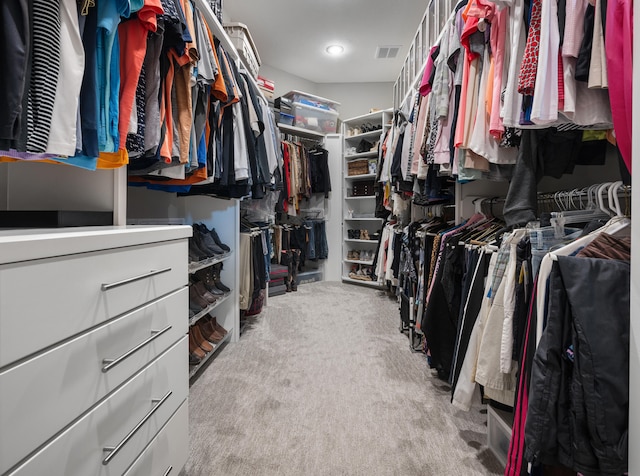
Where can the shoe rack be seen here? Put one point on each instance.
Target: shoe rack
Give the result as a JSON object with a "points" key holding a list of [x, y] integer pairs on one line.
{"points": [[361, 228], [215, 213], [206, 335]]}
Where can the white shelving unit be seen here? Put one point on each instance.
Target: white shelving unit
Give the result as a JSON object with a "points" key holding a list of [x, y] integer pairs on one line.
{"points": [[300, 132], [359, 211]]}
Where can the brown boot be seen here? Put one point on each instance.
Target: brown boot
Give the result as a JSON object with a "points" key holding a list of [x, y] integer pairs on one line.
{"points": [[194, 348], [200, 340]]}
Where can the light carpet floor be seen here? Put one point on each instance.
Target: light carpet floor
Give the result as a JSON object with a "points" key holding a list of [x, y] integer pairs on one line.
{"points": [[323, 383]]}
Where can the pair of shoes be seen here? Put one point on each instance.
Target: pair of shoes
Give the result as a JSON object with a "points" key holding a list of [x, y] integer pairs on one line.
{"points": [[353, 234], [353, 254], [205, 243], [364, 235], [211, 329], [210, 277], [208, 329], [366, 256], [201, 291]]}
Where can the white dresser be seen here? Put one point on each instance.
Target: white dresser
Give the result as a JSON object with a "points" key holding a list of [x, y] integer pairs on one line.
{"points": [[93, 351]]}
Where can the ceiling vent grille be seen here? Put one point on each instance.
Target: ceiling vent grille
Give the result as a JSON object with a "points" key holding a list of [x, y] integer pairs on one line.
{"points": [[387, 51]]}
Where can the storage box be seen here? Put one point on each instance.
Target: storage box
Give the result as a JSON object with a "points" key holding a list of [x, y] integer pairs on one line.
{"points": [[358, 167], [286, 119], [365, 188], [313, 101], [373, 166], [315, 119], [499, 425], [241, 39]]}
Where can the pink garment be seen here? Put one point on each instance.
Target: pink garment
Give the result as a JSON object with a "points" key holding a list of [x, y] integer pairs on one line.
{"points": [[560, 83], [459, 133], [573, 27], [425, 86], [619, 49], [498, 45]]}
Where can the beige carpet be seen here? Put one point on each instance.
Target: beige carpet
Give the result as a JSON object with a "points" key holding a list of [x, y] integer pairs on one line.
{"points": [[324, 384]]}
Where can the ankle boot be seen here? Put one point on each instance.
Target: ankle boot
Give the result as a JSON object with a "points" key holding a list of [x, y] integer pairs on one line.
{"points": [[196, 299], [215, 274], [213, 322], [294, 274], [205, 276], [216, 331], [218, 241], [200, 340], [207, 332], [194, 348], [202, 291]]}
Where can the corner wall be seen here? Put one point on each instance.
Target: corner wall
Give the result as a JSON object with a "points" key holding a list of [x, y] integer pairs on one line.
{"points": [[356, 99]]}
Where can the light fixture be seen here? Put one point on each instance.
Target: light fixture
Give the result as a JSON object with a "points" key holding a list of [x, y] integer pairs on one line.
{"points": [[335, 50]]}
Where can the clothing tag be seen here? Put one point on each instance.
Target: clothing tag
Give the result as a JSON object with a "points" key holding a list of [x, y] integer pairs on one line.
{"points": [[569, 354]]}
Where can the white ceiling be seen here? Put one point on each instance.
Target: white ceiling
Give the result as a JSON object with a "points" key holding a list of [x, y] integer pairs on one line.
{"points": [[292, 35]]}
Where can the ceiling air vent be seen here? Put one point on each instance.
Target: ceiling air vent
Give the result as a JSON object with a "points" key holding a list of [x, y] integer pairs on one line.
{"points": [[387, 51]]}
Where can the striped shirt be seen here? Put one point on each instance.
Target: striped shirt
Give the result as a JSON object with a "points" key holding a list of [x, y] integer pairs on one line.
{"points": [[45, 67]]}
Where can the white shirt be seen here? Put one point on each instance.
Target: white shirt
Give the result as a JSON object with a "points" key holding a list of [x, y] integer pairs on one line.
{"points": [[62, 135]]}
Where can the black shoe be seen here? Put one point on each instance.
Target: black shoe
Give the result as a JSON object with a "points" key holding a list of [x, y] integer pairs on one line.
{"points": [[217, 240], [215, 274], [206, 277], [206, 240]]}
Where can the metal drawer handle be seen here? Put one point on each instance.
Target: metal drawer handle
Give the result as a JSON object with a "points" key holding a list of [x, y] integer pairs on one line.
{"points": [[166, 473], [114, 450], [111, 363], [106, 287]]}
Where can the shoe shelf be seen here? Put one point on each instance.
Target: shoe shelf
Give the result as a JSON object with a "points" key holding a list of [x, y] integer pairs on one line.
{"points": [[366, 263], [371, 284], [365, 135], [363, 176], [198, 265], [193, 369], [362, 155], [366, 197], [300, 132], [209, 308], [359, 211]]}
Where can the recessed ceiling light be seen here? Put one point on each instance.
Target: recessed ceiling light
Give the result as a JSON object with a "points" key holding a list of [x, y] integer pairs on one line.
{"points": [[335, 50]]}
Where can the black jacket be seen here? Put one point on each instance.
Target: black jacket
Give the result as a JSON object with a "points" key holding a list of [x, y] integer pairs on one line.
{"points": [[579, 400]]}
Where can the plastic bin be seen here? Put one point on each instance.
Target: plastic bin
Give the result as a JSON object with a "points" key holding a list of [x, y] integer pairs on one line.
{"points": [[312, 100], [241, 39], [315, 119], [499, 433]]}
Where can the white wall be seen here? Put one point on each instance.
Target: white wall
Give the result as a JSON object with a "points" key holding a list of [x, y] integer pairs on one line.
{"points": [[286, 82], [36, 186], [357, 99]]}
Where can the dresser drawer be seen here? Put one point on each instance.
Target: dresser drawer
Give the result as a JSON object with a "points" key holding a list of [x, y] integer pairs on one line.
{"points": [[76, 374], [43, 302], [168, 452], [128, 420]]}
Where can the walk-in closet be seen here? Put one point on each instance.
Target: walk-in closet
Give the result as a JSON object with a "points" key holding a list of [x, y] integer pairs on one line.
{"points": [[333, 238]]}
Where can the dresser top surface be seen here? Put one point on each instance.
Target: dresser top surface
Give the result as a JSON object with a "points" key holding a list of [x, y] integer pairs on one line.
{"points": [[28, 244]]}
